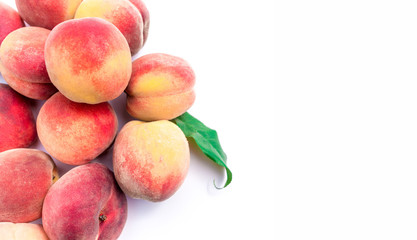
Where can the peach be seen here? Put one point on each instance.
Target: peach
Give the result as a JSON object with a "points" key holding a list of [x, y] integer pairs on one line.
{"points": [[38, 91], [47, 13], [161, 87], [151, 159], [140, 5], [122, 13], [9, 21], [17, 123], [22, 62], [88, 60], [22, 231], [22, 53], [75, 133], [25, 177], [85, 203]]}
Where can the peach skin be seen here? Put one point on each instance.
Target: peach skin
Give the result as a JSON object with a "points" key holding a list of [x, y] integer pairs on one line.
{"points": [[75, 133], [22, 62], [9, 21], [25, 177], [22, 53], [21, 231], [88, 60], [122, 13], [161, 87], [38, 91], [17, 123], [151, 159], [47, 13], [140, 5], [85, 204]]}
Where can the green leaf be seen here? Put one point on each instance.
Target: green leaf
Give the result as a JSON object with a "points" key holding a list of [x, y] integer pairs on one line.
{"points": [[206, 139]]}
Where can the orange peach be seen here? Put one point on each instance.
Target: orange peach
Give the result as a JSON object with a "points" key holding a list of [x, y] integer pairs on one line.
{"points": [[47, 13], [140, 5], [88, 60], [161, 87], [151, 159], [22, 62], [25, 177], [122, 13], [75, 133], [9, 21], [22, 231], [16, 120], [85, 203]]}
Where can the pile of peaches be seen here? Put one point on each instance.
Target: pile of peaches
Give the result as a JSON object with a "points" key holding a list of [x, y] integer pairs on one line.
{"points": [[77, 55]]}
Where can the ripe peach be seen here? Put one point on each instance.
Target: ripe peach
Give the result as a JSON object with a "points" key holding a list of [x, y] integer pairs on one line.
{"points": [[88, 60], [22, 231], [25, 177], [85, 203], [151, 160], [122, 13], [9, 21], [22, 53], [39, 91], [22, 62], [75, 133], [16, 120], [140, 5], [161, 87], [46, 13]]}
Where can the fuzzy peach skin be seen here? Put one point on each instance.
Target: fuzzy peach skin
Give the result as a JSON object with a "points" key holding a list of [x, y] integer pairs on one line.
{"points": [[22, 62], [122, 13], [88, 60], [151, 160], [21, 231], [22, 54], [38, 91], [16, 120], [75, 133], [85, 204], [25, 177], [161, 87], [9, 21], [46, 13], [140, 5]]}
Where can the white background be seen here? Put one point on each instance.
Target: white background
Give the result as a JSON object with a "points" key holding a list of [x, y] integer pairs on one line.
{"points": [[315, 104], [230, 45]]}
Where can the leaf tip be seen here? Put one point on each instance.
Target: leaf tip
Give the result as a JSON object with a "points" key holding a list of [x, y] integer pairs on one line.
{"points": [[218, 188]]}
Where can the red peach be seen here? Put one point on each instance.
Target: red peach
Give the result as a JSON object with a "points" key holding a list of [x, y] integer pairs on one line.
{"points": [[16, 120], [38, 91], [88, 60], [25, 177], [22, 62], [161, 87], [140, 5], [151, 159], [85, 203], [75, 133], [22, 54], [123, 14], [47, 13], [9, 21]]}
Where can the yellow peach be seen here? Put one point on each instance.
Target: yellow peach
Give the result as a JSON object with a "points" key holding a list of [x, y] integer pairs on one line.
{"points": [[161, 87]]}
